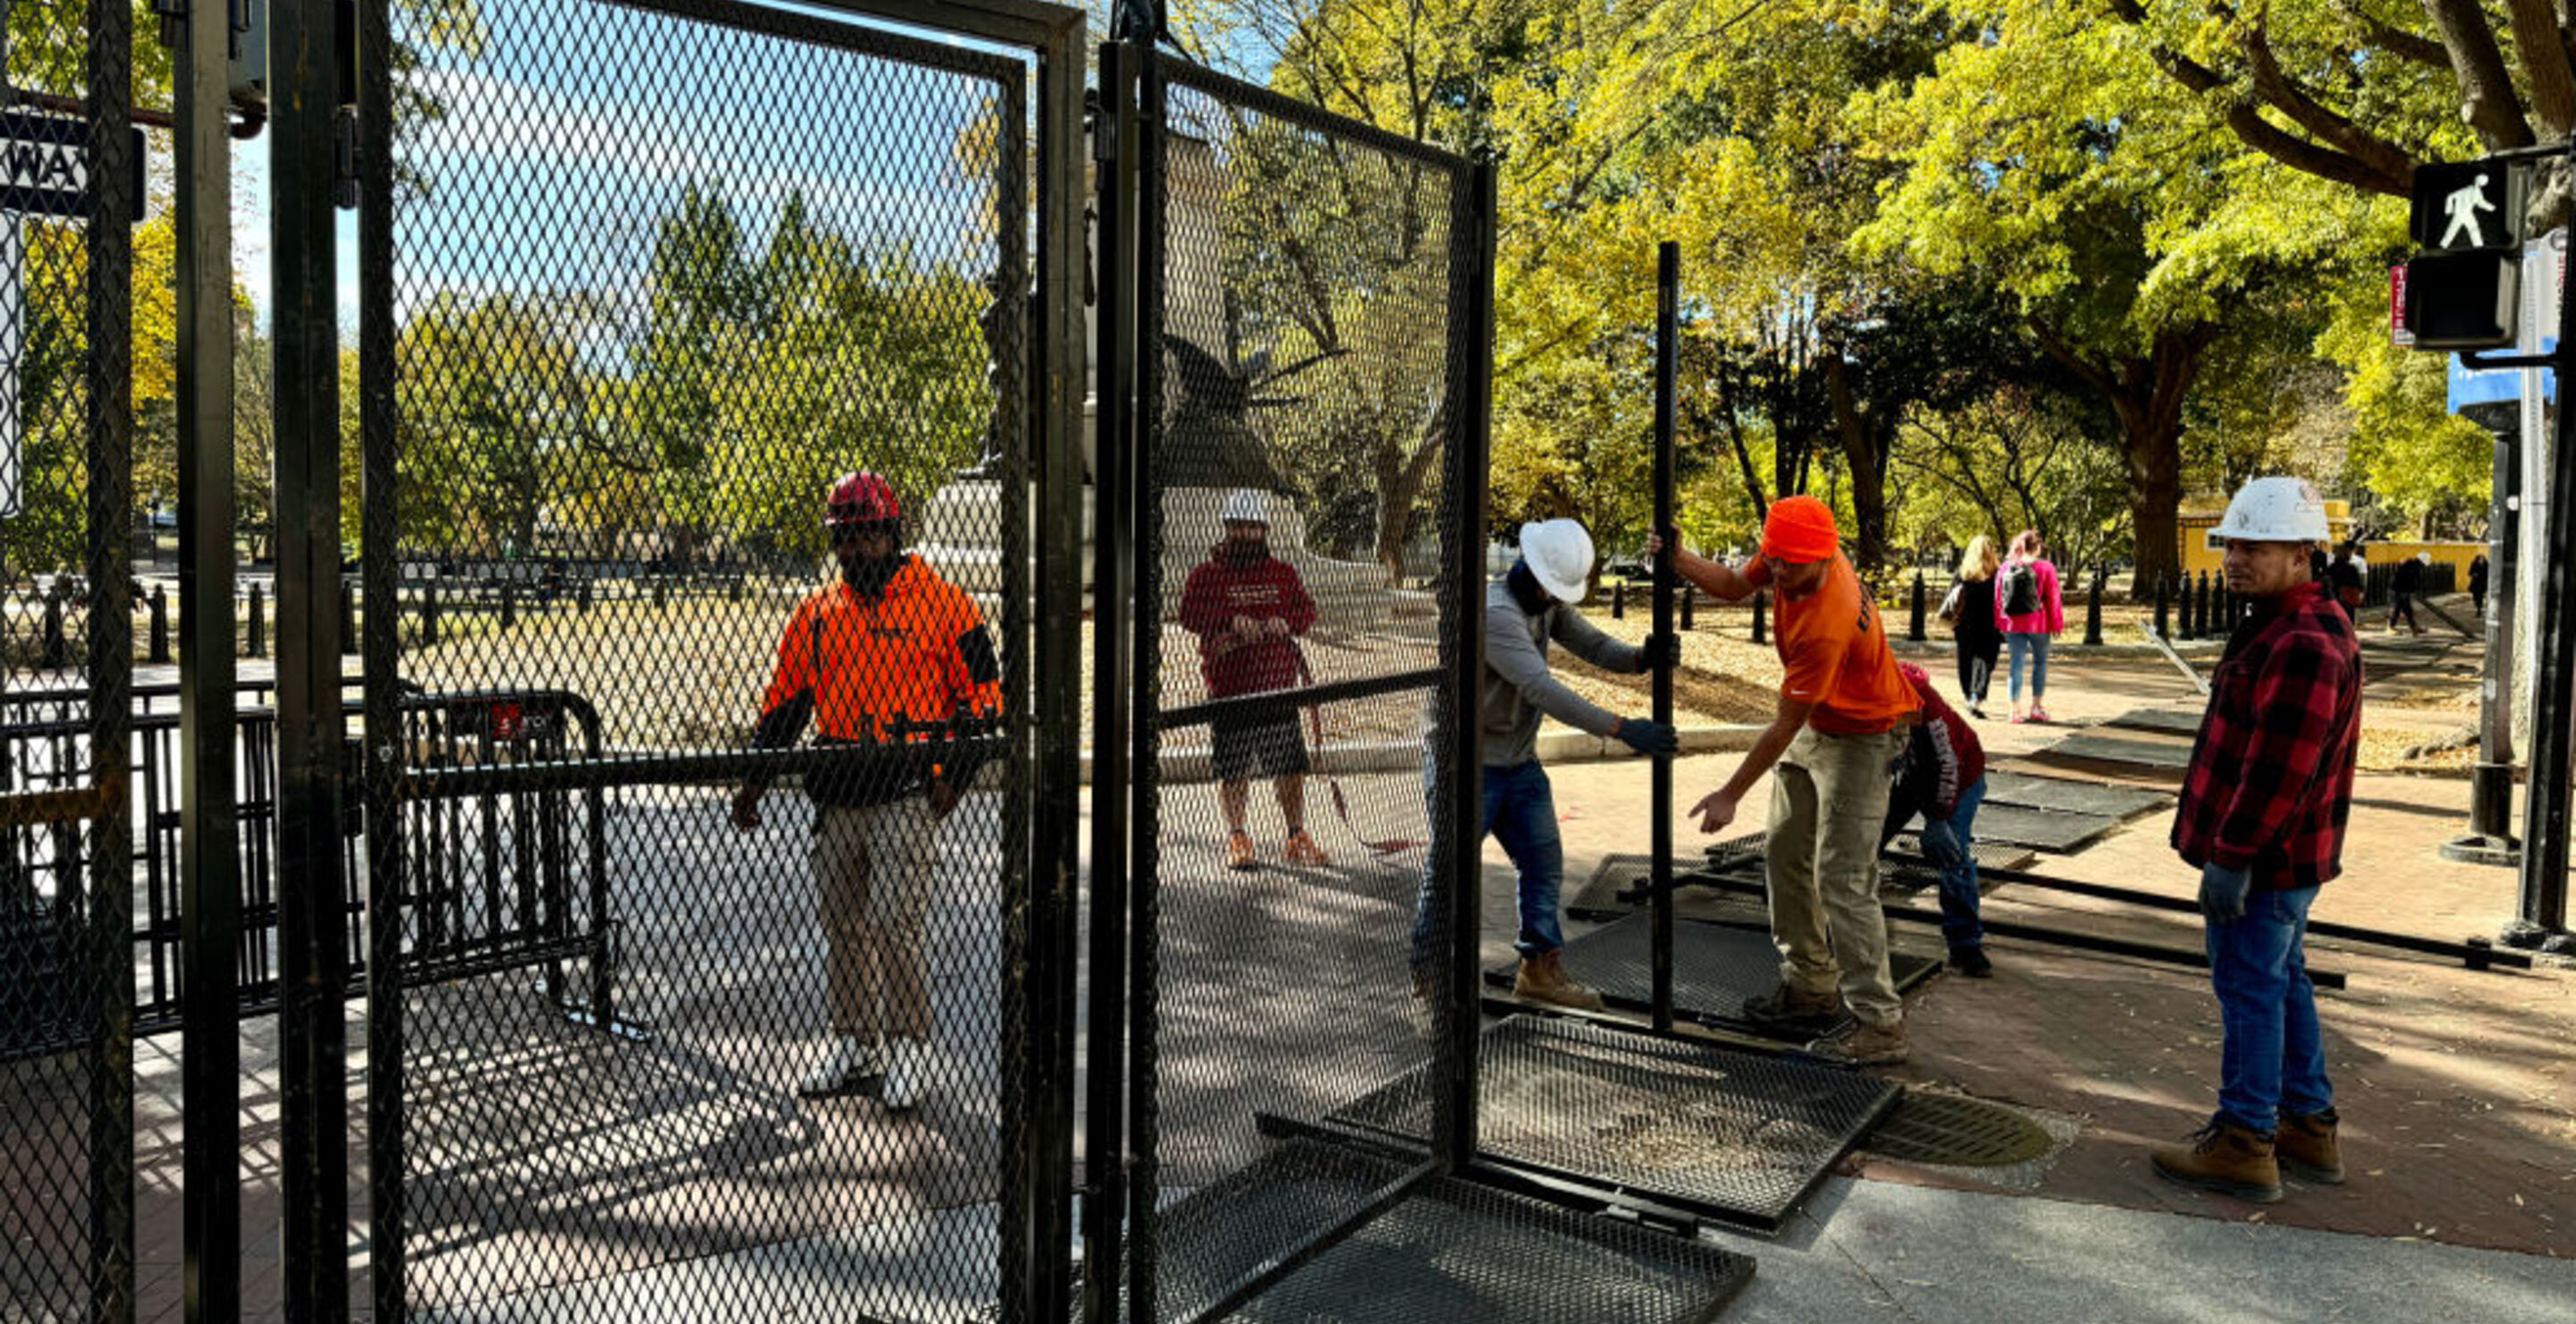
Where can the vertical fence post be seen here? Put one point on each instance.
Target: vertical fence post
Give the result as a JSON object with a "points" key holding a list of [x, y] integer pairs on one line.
{"points": [[2164, 602], [1668, 277], [429, 615], [1914, 625], [510, 608], [1690, 601], [1619, 600], [304, 67], [209, 845], [2093, 610], [58, 645], [160, 626], [1761, 616], [258, 622]]}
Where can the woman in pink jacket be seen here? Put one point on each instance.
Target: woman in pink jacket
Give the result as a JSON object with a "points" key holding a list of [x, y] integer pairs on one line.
{"points": [[2030, 612]]}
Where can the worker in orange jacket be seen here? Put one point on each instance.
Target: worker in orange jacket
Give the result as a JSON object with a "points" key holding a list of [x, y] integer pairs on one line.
{"points": [[889, 643]]}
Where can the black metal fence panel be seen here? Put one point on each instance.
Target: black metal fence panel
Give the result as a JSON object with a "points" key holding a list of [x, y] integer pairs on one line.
{"points": [[67, 1210], [1305, 290], [704, 397]]}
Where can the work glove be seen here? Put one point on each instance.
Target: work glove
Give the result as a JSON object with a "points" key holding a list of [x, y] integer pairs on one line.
{"points": [[1657, 739], [1941, 844], [2222, 892], [1660, 651]]}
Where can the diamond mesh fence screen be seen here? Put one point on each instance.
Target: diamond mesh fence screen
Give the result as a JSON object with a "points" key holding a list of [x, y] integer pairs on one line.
{"points": [[1300, 570], [68, 456], [698, 503]]}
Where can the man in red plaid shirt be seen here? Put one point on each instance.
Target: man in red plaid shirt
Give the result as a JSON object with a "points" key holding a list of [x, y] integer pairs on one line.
{"points": [[2262, 816]]}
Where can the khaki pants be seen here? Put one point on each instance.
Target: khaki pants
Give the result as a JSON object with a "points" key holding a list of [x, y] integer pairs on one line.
{"points": [[1828, 802], [872, 877]]}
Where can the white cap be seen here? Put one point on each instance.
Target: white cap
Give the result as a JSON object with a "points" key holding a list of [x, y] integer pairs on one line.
{"points": [[1246, 505], [2273, 510], [1559, 552]]}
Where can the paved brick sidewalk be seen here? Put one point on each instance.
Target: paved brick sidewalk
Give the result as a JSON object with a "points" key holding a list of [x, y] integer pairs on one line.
{"points": [[2458, 1089]]}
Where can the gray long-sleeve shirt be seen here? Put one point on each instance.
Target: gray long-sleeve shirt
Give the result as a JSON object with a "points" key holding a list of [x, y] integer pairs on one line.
{"points": [[1518, 687]]}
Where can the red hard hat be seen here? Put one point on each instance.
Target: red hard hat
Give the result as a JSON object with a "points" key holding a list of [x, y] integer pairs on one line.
{"points": [[860, 498]]}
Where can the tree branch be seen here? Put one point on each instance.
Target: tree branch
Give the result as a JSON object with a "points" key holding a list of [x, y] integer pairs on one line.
{"points": [[2334, 128], [2393, 39], [2245, 119], [2487, 96]]}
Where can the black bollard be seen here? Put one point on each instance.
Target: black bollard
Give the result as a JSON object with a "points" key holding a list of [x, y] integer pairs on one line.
{"points": [[737, 589], [1619, 601], [348, 618], [2164, 607], [509, 608], [1914, 628], [1690, 599], [1761, 618], [661, 592], [2093, 612], [581, 594], [429, 616], [58, 648], [2208, 606], [160, 624], [258, 622]]}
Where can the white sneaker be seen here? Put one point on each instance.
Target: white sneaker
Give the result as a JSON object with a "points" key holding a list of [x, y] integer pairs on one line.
{"points": [[852, 1060], [907, 1075]]}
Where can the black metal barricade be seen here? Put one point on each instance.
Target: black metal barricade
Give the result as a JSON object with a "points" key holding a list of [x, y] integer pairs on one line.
{"points": [[67, 1185], [658, 276]]}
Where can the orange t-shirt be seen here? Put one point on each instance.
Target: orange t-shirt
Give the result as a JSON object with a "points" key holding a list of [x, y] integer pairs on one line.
{"points": [[1834, 648]]}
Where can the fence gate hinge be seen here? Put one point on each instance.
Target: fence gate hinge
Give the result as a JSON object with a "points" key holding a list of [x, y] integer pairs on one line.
{"points": [[344, 156]]}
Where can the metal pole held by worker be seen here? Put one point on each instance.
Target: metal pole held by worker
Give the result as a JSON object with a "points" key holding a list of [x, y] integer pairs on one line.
{"points": [[1668, 279]]}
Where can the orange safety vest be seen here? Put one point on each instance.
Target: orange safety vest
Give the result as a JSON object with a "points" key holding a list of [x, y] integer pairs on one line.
{"points": [[920, 654]]}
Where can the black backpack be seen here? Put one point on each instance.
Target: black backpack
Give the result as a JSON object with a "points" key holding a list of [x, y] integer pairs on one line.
{"points": [[2021, 590]]}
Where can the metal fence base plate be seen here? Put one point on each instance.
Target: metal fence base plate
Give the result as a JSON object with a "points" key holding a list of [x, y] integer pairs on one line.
{"points": [[1717, 968], [1733, 1136], [1450, 1251]]}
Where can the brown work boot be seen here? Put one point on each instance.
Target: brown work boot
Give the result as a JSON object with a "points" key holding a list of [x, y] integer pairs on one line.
{"points": [[1238, 852], [1542, 978], [1303, 850], [2224, 1157], [1863, 1046], [2305, 1145], [1794, 1009]]}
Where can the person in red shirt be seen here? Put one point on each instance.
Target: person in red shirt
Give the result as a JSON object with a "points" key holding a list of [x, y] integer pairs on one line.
{"points": [[1247, 607], [1843, 715], [2262, 813], [887, 643], [1943, 778]]}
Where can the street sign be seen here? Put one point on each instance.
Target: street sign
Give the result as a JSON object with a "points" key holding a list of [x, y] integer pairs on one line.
{"points": [[44, 165], [2398, 335], [2464, 300], [2467, 207]]}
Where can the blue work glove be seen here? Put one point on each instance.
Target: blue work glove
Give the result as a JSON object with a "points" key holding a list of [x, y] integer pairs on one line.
{"points": [[1662, 651], [1941, 844], [2222, 892], [1653, 738]]}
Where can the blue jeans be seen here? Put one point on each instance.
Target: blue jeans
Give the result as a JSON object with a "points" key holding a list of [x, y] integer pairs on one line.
{"points": [[2034, 647], [2273, 1059], [1520, 812], [1960, 926]]}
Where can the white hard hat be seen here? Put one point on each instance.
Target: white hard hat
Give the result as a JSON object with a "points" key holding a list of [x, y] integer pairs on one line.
{"points": [[1559, 552], [1246, 505], [2273, 510]]}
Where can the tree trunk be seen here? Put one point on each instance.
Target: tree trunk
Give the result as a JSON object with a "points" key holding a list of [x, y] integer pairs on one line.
{"points": [[1861, 451]]}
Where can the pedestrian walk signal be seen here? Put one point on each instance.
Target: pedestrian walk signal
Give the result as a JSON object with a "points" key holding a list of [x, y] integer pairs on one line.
{"points": [[2463, 300], [2473, 206]]}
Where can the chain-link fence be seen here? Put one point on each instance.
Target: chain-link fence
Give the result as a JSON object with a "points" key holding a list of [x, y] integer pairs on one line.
{"points": [[1307, 409], [705, 354], [66, 809]]}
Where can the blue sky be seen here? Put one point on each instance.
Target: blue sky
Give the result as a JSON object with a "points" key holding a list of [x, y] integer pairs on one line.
{"points": [[580, 122]]}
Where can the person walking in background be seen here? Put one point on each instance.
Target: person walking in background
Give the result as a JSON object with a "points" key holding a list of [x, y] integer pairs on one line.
{"points": [[887, 642], [2347, 580], [1247, 607], [2262, 813], [2478, 583], [1942, 776], [2030, 613], [2404, 583], [1974, 633], [1529, 608], [1843, 715]]}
